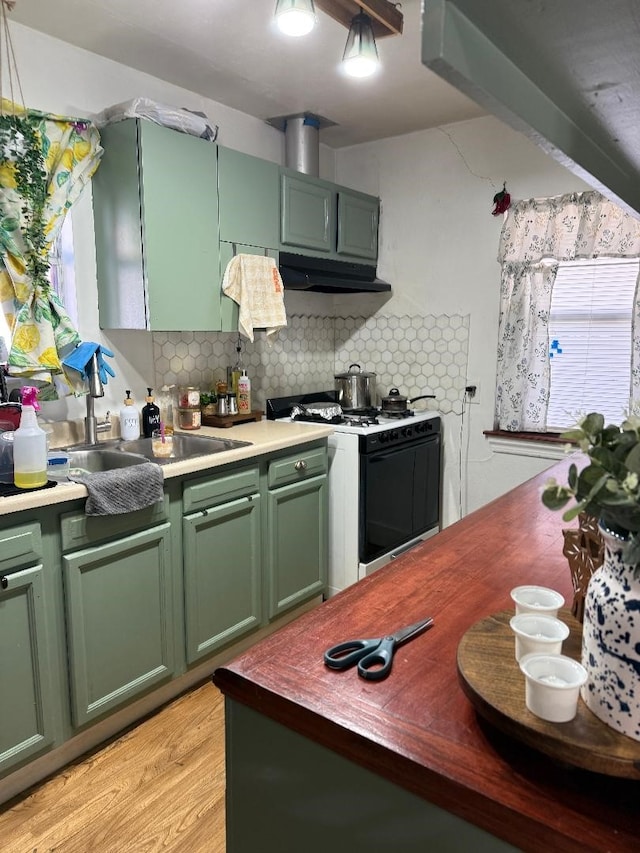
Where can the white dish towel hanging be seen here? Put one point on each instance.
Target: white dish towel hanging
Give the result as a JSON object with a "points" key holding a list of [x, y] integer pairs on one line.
{"points": [[253, 281]]}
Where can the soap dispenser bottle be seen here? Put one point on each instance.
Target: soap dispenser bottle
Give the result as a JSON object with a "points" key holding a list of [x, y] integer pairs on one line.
{"points": [[29, 445], [129, 419], [150, 416]]}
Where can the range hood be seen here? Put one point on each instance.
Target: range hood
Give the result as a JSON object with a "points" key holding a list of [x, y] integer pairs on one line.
{"points": [[322, 275]]}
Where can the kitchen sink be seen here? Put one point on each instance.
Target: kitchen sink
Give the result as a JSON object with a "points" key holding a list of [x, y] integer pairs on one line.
{"points": [[184, 447], [96, 459], [116, 453]]}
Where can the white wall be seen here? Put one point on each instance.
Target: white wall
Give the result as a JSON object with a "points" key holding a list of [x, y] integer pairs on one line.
{"points": [[438, 248]]}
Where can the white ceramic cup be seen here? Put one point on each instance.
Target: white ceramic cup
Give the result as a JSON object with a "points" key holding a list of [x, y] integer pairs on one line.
{"points": [[538, 634], [537, 599], [553, 685]]}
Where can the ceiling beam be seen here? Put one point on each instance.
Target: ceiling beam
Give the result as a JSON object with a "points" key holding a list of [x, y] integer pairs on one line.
{"points": [[386, 19]]}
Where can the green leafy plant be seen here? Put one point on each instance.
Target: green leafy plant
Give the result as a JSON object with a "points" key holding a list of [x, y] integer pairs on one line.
{"points": [[608, 488], [207, 398], [21, 145]]}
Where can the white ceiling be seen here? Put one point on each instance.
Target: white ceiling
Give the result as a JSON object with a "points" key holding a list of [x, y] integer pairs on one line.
{"points": [[228, 50]]}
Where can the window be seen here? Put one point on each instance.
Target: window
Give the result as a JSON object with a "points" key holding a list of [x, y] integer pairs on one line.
{"points": [[61, 275], [590, 325]]}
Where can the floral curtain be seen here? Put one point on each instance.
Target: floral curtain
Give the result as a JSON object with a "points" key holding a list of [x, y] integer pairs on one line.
{"points": [[536, 235], [45, 163]]}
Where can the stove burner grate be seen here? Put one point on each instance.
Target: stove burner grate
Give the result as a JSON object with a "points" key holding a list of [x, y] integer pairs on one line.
{"points": [[406, 413], [318, 419]]}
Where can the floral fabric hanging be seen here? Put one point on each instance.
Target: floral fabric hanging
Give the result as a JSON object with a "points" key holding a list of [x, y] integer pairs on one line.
{"points": [[45, 163], [536, 236]]}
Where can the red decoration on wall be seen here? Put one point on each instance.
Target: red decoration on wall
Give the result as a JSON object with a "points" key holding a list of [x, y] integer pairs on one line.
{"points": [[501, 201]]}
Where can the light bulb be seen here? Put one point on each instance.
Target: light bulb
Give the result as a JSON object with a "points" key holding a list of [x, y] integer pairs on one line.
{"points": [[360, 66], [298, 20]]}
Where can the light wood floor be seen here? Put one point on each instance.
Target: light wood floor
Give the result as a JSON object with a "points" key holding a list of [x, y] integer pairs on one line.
{"points": [[159, 787]]}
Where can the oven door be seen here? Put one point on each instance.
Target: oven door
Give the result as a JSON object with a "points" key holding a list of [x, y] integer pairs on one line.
{"points": [[399, 496]]}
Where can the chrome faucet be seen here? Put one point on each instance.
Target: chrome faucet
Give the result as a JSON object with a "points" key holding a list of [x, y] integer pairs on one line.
{"points": [[91, 424]]}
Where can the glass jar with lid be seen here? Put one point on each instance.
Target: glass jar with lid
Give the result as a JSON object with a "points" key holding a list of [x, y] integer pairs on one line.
{"points": [[188, 397]]}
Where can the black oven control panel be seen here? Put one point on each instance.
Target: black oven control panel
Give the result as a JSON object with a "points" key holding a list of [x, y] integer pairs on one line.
{"points": [[398, 435]]}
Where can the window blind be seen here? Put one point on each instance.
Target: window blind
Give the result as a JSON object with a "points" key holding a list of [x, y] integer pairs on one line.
{"points": [[590, 328]]}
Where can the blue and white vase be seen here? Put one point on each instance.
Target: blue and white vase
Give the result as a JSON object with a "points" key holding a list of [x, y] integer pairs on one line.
{"points": [[611, 641]]}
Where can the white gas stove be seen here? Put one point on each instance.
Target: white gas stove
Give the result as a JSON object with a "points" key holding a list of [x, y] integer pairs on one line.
{"points": [[384, 485]]}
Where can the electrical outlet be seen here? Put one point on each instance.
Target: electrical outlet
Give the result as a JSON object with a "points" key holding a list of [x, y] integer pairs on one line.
{"points": [[472, 393]]}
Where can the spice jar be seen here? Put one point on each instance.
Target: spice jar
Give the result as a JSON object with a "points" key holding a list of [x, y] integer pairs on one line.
{"points": [[188, 397], [189, 419]]}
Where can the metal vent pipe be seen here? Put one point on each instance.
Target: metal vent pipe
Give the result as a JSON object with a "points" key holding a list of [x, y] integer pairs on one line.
{"points": [[302, 144]]}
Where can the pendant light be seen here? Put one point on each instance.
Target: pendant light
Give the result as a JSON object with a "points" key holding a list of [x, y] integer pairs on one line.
{"points": [[295, 17], [360, 57]]}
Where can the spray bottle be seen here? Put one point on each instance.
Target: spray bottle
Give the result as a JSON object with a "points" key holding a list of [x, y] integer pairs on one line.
{"points": [[29, 445]]}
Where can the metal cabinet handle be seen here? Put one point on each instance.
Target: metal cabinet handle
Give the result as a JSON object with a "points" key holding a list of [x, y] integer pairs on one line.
{"points": [[4, 582], [300, 465]]}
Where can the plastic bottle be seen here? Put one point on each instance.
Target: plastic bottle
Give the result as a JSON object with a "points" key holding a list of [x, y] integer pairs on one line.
{"points": [[150, 416], [244, 394], [29, 445], [129, 419]]}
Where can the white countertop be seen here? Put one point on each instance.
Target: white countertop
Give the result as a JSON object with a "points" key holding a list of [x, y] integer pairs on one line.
{"points": [[265, 437]]}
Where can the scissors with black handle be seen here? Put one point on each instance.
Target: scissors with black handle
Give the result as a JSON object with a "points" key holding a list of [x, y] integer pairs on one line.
{"points": [[374, 657]]}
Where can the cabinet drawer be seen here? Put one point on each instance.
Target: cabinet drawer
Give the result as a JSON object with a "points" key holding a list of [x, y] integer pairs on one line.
{"points": [[20, 546], [298, 466], [79, 530], [209, 492]]}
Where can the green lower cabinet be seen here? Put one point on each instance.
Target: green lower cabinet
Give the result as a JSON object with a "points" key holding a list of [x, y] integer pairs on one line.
{"points": [[297, 543], [119, 608], [222, 575], [26, 713]]}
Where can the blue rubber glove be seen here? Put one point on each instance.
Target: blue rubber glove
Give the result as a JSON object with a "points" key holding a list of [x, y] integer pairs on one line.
{"points": [[81, 357]]}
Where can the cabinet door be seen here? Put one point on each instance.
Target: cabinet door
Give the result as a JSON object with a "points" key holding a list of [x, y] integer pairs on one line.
{"points": [[307, 214], [180, 229], [119, 608], [297, 547], [26, 714], [249, 198], [357, 225], [229, 309], [222, 572], [155, 200]]}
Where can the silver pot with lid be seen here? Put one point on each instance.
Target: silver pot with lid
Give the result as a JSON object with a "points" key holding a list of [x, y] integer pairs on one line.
{"points": [[355, 389]]}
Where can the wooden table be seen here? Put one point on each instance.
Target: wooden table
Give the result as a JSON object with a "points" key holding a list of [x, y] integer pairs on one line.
{"points": [[319, 760]]}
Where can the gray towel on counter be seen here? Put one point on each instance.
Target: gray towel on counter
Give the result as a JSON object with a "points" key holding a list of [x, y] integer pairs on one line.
{"points": [[122, 490]]}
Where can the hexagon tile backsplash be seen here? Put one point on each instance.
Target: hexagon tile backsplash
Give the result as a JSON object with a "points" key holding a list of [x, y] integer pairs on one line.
{"points": [[417, 355]]}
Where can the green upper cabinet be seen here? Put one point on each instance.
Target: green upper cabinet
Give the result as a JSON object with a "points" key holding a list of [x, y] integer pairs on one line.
{"points": [[249, 199], [155, 199], [307, 213], [326, 220], [357, 225]]}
